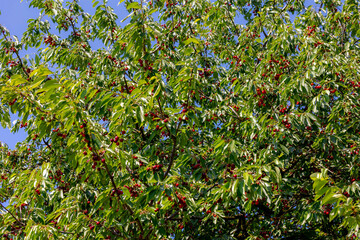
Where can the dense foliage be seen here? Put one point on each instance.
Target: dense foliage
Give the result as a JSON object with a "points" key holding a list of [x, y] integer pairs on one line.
{"points": [[198, 119]]}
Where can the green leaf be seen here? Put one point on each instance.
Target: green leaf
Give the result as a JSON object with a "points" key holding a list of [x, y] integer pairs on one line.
{"points": [[40, 72], [188, 51], [315, 176], [284, 149], [247, 206], [248, 178], [321, 192], [319, 184], [158, 90], [140, 114], [328, 198], [235, 187], [278, 175], [191, 40], [16, 80], [134, 5], [333, 213], [49, 85]]}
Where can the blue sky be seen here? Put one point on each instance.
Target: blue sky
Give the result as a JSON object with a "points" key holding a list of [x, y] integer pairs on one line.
{"points": [[14, 16]]}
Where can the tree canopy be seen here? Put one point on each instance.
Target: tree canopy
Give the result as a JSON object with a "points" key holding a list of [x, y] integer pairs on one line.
{"points": [[196, 119]]}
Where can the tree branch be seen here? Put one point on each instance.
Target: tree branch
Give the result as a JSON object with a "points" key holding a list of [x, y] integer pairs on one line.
{"points": [[172, 152], [17, 220], [119, 197], [18, 57]]}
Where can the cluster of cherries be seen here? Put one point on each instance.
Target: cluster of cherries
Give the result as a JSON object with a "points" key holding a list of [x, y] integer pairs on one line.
{"points": [[196, 166], [4, 177], [123, 89], [12, 102], [116, 139], [286, 123], [155, 168], [119, 191], [7, 50], [146, 66], [327, 209], [310, 30], [12, 63], [112, 59], [230, 168], [283, 109], [22, 205], [205, 73], [181, 201], [49, 40], [262, 95], [133, 190]]}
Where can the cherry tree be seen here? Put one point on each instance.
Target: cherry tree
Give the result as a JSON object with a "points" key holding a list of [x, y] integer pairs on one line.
{"points": [[196, 119]]}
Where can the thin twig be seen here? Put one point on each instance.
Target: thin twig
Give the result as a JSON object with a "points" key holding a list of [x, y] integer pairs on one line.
{"points": [[17, 55], [17, 220], [172, 152]]}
